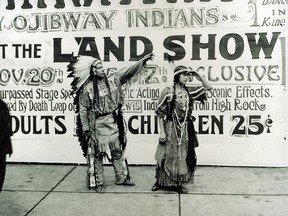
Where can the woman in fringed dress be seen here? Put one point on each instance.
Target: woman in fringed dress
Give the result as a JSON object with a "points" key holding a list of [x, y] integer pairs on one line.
{"points": [[175, 155]]}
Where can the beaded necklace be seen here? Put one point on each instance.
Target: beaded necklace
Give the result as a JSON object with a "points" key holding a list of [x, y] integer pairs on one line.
{"points": [[104, 94], [178, 126]]}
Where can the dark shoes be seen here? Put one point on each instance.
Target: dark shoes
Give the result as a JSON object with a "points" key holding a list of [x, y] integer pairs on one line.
{"points": [[126, 182], [100, 189], [183, 190], [155, 187]]}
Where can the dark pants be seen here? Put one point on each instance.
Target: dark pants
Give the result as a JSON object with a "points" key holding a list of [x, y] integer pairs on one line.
{"points": [[2, 169]]}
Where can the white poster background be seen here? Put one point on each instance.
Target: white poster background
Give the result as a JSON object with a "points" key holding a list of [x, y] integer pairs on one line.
{"points": [[233, 129]]}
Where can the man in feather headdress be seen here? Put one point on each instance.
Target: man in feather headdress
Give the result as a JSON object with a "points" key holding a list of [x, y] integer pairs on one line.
{"points": [[100, 123]]}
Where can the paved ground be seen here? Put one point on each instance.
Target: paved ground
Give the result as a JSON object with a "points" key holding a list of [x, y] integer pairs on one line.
{"points": [[42, 190]]}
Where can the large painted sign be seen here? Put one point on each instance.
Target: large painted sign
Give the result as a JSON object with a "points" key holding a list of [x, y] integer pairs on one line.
{"points": [[240, 46]]}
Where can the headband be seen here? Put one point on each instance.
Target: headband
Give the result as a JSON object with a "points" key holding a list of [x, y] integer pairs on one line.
{"points": [[187, 70], [97, 61]]}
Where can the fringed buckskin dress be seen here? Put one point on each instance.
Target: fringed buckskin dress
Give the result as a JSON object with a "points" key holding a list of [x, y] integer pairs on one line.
{"points": [[176, 159]]}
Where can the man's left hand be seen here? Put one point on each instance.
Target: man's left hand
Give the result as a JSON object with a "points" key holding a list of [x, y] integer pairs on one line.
{"points": [[148, 57]]}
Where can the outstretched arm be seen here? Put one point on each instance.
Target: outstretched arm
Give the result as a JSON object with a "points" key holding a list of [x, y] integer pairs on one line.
{"points": [[147, 57], [126, 73]]}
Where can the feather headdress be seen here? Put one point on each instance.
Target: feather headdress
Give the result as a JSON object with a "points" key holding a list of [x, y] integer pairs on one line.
{"points": [[79, 69]]}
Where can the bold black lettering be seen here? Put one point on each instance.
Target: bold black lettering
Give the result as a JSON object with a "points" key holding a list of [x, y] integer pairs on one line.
{"points": [[35, 126], [28, 123], [46, 119], [174, 47], [203, 120], [60, 124], [130, 128], [148, 47], [262, 44], [85, 42], [148, 1], [218, 122], [239, 46], [147, 123], [15, 124], [125, 2], [58, 56], [109, 46], [196, 45]]}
